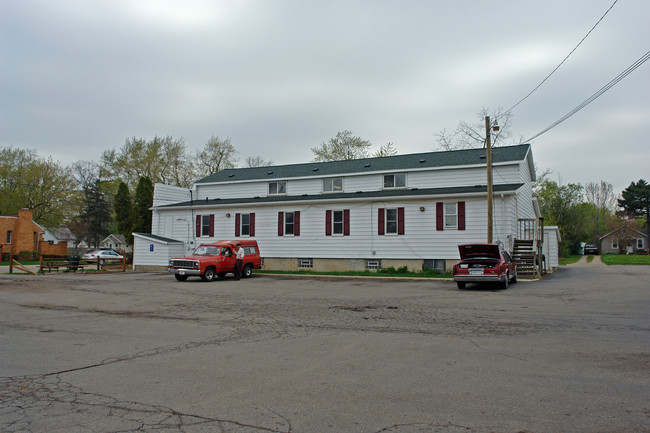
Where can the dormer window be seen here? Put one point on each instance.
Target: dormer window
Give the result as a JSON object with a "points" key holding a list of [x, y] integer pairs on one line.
{"points": [[392, 181], [276, 188], [333, 185]]}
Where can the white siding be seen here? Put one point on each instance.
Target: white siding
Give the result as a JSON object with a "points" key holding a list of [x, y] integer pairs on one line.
{"points": [[420, 241], [162, 252], [470, 176], [167, 194]]}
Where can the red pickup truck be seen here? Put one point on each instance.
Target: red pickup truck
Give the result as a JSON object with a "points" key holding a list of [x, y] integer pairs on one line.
{"points": [[215, 260]]}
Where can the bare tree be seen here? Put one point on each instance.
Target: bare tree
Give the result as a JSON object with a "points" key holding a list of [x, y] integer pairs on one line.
{"points": [[601, 195], [85, 173], [257, 161], [387, 149], [216, 155], [472, 135]]}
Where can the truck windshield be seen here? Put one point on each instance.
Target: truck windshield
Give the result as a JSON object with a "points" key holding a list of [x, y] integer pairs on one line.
{"points": [[206, 251]]}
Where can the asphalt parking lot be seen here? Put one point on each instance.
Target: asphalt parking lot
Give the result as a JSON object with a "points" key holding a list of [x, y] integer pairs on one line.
{"points": [[136, 352]]}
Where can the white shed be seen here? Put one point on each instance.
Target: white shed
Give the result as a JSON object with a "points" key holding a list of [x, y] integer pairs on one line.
{"points": [[152, 252], [551, 247]]}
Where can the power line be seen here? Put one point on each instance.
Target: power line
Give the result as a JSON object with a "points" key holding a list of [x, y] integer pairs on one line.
{"points": [[593, 97], [565, 59]]}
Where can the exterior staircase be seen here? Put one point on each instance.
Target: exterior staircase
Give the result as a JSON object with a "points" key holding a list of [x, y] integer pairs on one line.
{"points": [[524, 255]]}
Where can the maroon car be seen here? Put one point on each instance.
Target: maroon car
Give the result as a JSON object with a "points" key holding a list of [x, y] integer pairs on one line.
{"points": [[484, 263]]}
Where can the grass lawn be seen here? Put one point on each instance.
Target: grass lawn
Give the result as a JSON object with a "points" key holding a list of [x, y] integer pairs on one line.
{"points": [[569, 260], [623, 259]]}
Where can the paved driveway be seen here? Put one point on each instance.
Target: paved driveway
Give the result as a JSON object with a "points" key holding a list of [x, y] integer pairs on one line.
{"points": [[144, 353]]}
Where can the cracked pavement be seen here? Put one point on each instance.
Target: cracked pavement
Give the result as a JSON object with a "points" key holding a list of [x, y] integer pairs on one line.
{"points": [[139, 352]]}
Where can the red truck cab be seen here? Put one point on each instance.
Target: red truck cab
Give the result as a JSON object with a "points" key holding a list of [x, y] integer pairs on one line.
{"points": [[215, 260]]}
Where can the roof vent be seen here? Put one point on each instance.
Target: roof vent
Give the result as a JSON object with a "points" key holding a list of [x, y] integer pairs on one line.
{"points": [[231, 175], [482, 157], [422, 161], [257, 196], [269, 172], [367, 165], [315, 169]]}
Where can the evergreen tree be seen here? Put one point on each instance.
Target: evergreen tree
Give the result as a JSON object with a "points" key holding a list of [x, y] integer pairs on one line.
{"points": [[636, 201], [141, 206], [96, 213], [123, 211]]}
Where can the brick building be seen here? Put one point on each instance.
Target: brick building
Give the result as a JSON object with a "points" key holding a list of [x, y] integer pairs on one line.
{"points": [[21, 233]]}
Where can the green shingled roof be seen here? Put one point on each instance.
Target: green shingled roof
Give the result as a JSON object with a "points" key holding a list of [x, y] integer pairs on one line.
{"points": [[384, 164]]}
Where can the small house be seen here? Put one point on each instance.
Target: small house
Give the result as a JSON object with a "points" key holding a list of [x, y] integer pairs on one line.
{"points": [[624, 240]]}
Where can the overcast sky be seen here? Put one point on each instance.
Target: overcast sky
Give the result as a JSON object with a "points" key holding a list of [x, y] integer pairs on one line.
{"points": [[78, 77]]}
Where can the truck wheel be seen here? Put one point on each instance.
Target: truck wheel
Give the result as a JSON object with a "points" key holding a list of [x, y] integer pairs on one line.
{"points": [[208, 275], [460, 285], [180, 277], [247, 271], [221, 275]]}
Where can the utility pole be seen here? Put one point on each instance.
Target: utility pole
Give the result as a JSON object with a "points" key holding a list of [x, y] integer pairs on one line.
{"points": [[488, 154]]}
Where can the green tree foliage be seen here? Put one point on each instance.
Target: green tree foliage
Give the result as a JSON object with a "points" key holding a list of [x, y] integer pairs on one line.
{"points": [[344, 146], [163, 160], [142, 203], [123, 211], [28, 181], [636, 201], [561, 205], [217, 154], [96, 214]]}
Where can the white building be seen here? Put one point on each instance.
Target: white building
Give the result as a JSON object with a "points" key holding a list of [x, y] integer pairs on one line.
{"points": [[404, 210]]}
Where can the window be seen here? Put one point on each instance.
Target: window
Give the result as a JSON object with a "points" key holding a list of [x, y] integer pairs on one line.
{"points": [[337, 222], [204, 225], [277, 188], [639, 244], [614, 243], [390, 221], [245, 224], [394, 181], [289, 223], [305, 263], [373, 264], [450, 215], [8, 236], [333, 185]]}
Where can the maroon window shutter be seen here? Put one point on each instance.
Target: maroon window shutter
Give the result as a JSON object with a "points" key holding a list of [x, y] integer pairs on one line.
{"points": [[198, 226], [400, 220], [296, 223], [440, 216], [280, 223], [212, 225], [461, 215], [252, 223], [328, 223], [237, 224], [381, 226], [346, 222]]}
